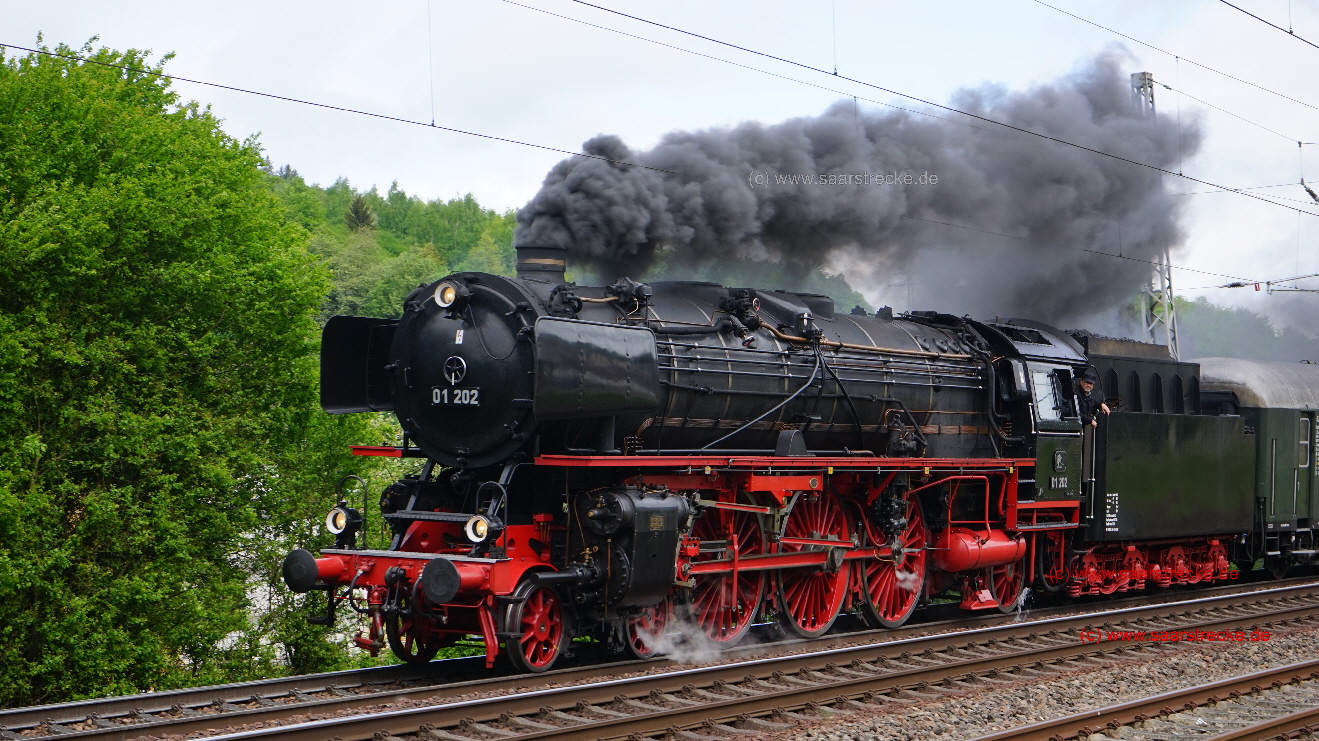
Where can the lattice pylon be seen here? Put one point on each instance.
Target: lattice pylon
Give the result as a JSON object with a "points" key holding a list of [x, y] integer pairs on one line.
{"points": [[1160, 311]]}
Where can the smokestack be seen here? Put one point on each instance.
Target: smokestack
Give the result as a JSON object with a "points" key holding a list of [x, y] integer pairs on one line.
{"points": [[541, 262]]}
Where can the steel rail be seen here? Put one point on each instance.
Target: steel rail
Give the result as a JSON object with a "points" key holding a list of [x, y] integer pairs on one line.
{"points": [[1010, 645], [290, 687], [1289, 724], [163, 701], [1092, 722]]}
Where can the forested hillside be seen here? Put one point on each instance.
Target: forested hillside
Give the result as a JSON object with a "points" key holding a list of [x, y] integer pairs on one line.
{"points": [[379, 248], [1209, 330]]}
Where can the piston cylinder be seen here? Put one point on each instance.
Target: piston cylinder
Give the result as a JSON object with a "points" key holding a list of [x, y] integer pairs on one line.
{"points": [[962, 549]]}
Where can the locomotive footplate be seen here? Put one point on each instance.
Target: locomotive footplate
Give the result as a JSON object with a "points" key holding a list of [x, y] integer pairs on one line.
{"points": [[713, 462]]}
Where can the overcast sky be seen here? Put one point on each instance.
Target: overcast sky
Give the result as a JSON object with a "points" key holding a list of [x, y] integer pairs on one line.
{"points": [[510, 70]]}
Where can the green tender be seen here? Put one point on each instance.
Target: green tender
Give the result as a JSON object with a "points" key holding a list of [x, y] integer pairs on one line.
{"points": [[1172, 475]]}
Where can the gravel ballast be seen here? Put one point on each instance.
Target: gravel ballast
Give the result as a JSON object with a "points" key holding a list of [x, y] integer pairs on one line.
{"points": [[982, 711]]}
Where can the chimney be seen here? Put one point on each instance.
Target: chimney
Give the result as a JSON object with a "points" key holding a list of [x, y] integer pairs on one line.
{"points": [[541, 262]]}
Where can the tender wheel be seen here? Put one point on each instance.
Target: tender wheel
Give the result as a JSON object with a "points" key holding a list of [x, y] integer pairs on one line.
{"points": [[1183, 567], [723, 606], [537, 617], [892, 583], [810, 598], [1277, 566], [1097, 573], [646, 629], [1051, 563], [408, 639], [1008, 584]]}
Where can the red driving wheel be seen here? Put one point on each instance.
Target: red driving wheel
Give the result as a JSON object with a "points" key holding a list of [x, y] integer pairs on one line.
{"points": [[1008, 584], [536, 616], [645, 630], [892, 582], [724, 605], [810, 597]]}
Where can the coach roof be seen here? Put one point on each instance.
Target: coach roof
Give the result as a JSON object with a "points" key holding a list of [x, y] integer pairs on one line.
{"points": [[1263, 384]]}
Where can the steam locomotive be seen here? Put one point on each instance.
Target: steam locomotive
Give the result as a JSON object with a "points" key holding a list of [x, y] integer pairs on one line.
{"points": [[605, 461]]}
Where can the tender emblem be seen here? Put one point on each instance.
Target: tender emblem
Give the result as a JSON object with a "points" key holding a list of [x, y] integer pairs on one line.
{"points": [[455, 370]]}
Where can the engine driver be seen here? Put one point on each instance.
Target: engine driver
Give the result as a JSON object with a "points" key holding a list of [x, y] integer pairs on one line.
{"points": [[1086, 400]]}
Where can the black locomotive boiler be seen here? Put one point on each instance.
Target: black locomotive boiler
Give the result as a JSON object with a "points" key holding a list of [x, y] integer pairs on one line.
{"points": [[604, 460]]}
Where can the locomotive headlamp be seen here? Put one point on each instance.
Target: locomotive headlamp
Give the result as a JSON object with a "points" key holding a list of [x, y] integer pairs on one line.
{"points": [[344, 522], [336, 521], [445, 295], [477, 529]]}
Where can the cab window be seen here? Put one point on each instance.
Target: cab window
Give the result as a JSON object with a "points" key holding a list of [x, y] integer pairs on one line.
{"points": [[1048, 399]]}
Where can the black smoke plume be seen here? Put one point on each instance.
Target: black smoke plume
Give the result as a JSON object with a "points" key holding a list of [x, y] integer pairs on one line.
{"points": [[1052, 198]]}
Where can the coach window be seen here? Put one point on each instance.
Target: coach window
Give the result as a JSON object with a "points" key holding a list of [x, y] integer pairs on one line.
{"points": [[1304, 455], [1273, 476]]}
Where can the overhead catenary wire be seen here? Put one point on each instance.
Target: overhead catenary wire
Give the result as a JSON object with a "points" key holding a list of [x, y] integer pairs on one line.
{"points": [[342, 109], [939, 106], [1287, 31], [1205, 67], [1178, 75], [430, 59], [1252, 187], [1280, 198], [740, 65], [833, 12], [1271, 285], [1224, 110]]}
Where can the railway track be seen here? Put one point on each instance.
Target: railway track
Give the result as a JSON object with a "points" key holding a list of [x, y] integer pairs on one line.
{"points": [[1280, 703], [198, 708], [749, 694]]}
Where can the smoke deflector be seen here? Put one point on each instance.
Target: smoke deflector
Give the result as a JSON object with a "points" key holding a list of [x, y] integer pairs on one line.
{"points": [[584, 369]]}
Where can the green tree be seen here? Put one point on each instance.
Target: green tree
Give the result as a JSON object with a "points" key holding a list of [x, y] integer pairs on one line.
{"points": [[157, 386], [360, 216]]}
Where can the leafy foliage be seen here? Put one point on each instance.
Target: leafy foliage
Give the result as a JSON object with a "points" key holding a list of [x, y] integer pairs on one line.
{"points": [[157, 387]]}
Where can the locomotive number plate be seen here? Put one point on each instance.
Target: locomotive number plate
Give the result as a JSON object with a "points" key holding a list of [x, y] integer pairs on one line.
{"points": [[451, 397]]}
